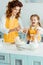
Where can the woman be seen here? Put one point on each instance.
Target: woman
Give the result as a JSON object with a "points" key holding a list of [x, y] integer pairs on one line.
{"points": [[9, 24]]}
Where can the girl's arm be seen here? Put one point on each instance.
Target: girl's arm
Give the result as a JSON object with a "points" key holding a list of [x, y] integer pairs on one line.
{"points": [[3, 29], [41, 30]]}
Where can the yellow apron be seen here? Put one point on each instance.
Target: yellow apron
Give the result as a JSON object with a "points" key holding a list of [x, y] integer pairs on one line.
{"points": [[34, 33], [11, 24]]}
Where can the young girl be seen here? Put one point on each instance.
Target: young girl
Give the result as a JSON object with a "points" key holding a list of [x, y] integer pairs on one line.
{"points": [[35, 30], [9, 24]]}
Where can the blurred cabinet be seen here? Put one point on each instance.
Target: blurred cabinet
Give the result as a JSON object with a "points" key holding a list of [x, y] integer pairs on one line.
{"points": [[1, 35], [3, 64], [18, 59], [26, 60], [4, 59], [35, 60]]}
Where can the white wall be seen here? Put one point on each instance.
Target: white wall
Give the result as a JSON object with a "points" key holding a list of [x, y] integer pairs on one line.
{"points": [[33, 1], [3, 4], [27, 10], [32, 8]]}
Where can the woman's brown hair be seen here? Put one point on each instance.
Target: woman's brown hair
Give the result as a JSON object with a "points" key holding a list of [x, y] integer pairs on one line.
{"points": [[38, 18], [11, 5]]}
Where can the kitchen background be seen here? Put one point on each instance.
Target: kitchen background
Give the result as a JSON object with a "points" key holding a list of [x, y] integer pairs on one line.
{"points": [[30, 7]]}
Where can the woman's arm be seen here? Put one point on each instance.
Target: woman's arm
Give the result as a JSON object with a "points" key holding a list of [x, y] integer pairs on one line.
{"points": [[3, 29], [15, 29]]}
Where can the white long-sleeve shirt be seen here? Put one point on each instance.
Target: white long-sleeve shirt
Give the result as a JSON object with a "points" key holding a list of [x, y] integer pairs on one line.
{"points": [[40, 29], [3, 29]]}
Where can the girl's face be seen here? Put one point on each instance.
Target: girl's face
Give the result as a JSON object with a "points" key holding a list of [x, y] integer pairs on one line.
{"points": [[34, 21], [15, 10]]}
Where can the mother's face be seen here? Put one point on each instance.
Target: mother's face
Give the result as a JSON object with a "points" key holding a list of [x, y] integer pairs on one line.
{"points": [[15, 10]]}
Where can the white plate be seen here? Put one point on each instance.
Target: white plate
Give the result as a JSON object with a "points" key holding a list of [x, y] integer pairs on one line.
{"points": [[31, 46]]}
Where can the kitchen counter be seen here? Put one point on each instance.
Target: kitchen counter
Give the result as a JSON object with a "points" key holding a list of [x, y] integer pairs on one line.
{"points": [[11, 48]]}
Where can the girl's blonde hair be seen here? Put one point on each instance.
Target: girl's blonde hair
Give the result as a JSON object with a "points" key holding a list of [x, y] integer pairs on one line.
{"points": [[38, 18]]}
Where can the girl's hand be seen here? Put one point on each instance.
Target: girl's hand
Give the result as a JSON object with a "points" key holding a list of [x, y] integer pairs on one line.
{"points": [[11, 30], [24, 30], [38, 32]]}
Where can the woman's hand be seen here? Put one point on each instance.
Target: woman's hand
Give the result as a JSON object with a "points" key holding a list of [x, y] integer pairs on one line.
{"points": [[18, 28], [15, 29]]}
